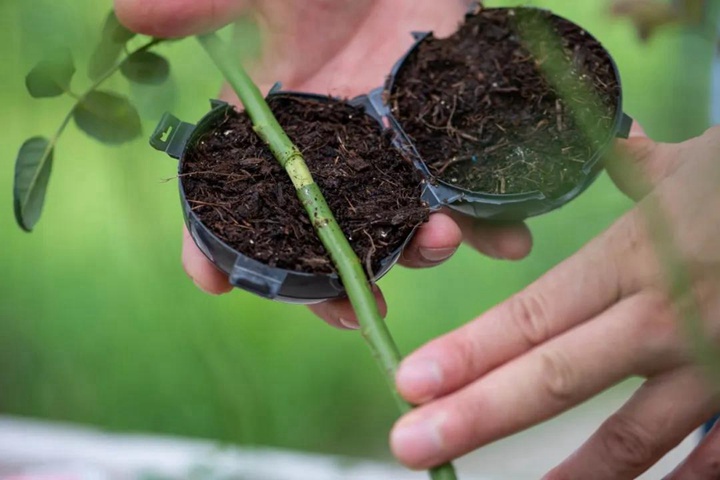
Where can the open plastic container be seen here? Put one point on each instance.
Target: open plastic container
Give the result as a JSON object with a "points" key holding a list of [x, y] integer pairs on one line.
{"points": [[174, 137], [496, 207]]}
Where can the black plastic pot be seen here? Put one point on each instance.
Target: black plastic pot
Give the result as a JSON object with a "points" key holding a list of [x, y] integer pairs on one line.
{"points": [[175, 138], [494, 207]]}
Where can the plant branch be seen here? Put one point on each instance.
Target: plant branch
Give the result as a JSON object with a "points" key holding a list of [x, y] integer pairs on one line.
{"points": [[80, 98], [344, 258]]}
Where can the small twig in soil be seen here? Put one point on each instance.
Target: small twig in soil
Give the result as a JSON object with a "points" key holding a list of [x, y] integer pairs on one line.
{"points": [[368, 258], [455, 161], [504, 143], [206, 204], [452, 113]]}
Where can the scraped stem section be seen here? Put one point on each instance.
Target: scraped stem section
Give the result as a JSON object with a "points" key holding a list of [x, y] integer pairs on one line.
{"points": [[343, 257]]}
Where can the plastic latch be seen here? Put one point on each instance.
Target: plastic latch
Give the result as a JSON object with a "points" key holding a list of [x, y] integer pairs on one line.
{"points": [[257, 278], [437, 197], [171, 135], [375, 97], [418, 36], [625, 125], [214, 104]]}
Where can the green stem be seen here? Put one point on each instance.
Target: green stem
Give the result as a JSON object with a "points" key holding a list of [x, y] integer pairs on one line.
{"points": [[344, 258]]}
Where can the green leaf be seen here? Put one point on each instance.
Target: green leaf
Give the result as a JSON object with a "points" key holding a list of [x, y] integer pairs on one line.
{"points": [[32, 173], [146, 67], [108, 117], [103, 58], [52, 76], [114, 31], [106, 54]]}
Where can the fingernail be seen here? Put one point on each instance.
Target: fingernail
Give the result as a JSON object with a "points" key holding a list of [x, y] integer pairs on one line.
{"points": [[349, 325], [420, 380], [418, 441], [436, 255]]}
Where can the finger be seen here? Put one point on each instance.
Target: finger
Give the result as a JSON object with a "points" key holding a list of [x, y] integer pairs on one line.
{"points": [[571, 293], [639, 163], [177, 18], [704, 462], [433, 243], [205, 275], [637, 131], [339, 313], [532, 388], [663, 412], [510, 241]]}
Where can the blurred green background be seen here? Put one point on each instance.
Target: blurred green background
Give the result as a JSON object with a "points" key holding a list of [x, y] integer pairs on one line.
{"points": [[98, 323]]}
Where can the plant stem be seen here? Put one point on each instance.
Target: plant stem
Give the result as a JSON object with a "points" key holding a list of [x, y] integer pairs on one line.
{"points": [[348, 265]]}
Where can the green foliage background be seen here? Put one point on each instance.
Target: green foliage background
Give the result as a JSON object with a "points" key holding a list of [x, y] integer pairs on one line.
{"points": [[98, 323]]}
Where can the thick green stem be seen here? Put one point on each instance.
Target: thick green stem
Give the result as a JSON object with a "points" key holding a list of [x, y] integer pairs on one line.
{"points": [[344, 258]]}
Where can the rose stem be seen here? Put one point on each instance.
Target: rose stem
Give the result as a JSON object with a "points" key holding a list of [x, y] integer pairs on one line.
{"points": [[351, 272]]}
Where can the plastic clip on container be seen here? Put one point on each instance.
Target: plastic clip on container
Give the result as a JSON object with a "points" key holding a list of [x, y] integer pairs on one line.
{"points": [[174, 137]]}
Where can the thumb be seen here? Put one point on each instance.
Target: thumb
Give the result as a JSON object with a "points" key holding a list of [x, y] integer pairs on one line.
{"points": [[638, 164], [178, 18]]}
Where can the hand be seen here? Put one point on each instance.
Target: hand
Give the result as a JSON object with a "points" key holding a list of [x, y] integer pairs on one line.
{"points": [[600, 317], [338, 47]]}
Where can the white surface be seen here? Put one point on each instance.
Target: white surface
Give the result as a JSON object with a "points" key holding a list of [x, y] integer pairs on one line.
{"points": [[54, 451], [73, 453]]}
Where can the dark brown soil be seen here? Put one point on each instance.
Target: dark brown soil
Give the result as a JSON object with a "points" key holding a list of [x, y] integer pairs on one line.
{"points": [[483, 115], [238, 189]]}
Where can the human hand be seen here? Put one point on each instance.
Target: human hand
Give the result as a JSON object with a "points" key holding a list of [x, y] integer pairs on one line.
{"points": [[338, 47], [603, 315]]}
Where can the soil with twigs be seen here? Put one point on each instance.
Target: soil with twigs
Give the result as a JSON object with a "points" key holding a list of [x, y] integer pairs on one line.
{"points": [[238, 190], [488, 114]]}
